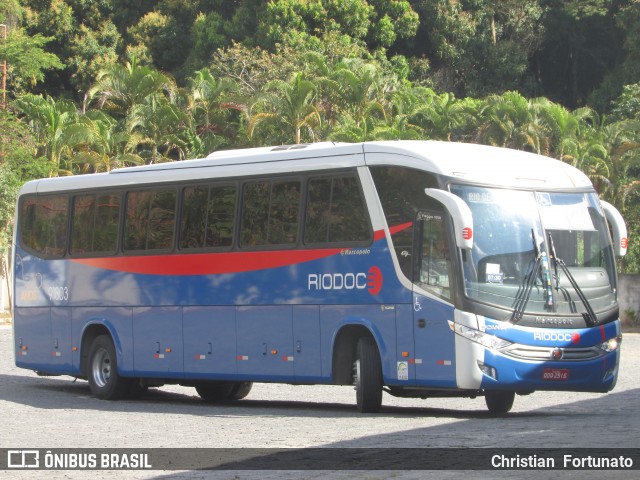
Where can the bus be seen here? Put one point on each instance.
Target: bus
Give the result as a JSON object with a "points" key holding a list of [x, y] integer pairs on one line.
{"points": [[416, 268]]}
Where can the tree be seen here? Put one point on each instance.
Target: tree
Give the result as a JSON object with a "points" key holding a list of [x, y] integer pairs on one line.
{"points": [[26, 57], [444, 117], [363, 90], [479, 47], [93, 49], [290, 104], [379, 22], [622, 140], [118, 88], [104, 145], [55, 127], [210, 100], [511, 120], [157, 130]]}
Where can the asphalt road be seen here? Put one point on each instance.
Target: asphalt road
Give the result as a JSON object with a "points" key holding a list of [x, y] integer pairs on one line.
{"points": [[56, 412]]}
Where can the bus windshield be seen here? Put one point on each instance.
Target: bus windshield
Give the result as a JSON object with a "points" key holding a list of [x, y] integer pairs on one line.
{"points": [[520, 234]]}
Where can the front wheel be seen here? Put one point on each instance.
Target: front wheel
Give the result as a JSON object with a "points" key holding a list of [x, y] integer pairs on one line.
{"points": [[368, 376], [103, 377], [499, 401]]}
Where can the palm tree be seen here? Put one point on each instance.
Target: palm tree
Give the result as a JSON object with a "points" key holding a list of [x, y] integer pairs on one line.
{"points": [[105, 148], [362, 91], [291, 104], [119, 87], [511, 120], [442, 116], [623, 149], [56, 128], [157, 130], [209, 100]]}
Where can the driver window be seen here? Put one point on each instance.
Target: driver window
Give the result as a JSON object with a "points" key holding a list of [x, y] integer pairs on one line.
{"points": [[434, 258]]}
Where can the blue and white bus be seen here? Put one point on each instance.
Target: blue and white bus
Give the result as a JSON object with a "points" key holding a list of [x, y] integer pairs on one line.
{"points": [[422, 269]]}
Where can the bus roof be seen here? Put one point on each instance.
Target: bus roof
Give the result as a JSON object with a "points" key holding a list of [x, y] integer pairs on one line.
{"points": [[467, 162], [480, 164]]}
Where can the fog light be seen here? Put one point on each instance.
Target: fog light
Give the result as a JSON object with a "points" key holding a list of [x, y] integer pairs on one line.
{"points": [[488, 370]]}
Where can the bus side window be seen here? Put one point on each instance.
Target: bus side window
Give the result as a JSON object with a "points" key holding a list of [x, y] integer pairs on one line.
{"points": [[150, 219], [270, 213], [94, 224], [43, 226], [336, 212], [207, 217], [434, 265]]}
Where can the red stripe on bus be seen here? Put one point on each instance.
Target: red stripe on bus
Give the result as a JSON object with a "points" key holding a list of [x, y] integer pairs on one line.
{"points": [[205, 263], [211, 263]]}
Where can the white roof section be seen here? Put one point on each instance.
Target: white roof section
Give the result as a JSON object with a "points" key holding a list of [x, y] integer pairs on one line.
{"points": [[467, 162], [482, 164]]}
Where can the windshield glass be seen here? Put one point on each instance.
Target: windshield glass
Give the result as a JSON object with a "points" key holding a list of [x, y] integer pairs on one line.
{"points": [[512, 229]]}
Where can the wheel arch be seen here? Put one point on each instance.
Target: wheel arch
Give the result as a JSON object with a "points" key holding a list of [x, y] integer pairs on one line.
{"points": [[344, 350], [92, 330]]}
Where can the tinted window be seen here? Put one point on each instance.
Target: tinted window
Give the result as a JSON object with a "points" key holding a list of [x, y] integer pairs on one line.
{"points": [[207, 216], [401, 192], [270, 213], [336, 212], [434, 265], [150, 220], [94, 225], [43, 224]]}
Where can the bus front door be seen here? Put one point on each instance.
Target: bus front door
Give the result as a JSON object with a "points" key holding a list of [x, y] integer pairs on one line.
{"points": [[432, 310]]}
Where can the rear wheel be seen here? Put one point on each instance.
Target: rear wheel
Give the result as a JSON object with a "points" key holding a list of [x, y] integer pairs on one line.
{"points": [[368, 376], [214, 392], [103, 377], [240, 390], [499, 401]]}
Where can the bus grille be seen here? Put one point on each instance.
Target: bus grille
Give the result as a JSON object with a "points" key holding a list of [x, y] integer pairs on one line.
{"points": [[527, 352]]}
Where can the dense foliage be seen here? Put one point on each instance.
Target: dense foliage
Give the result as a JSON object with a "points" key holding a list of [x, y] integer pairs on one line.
{"points": [[102, 84]]}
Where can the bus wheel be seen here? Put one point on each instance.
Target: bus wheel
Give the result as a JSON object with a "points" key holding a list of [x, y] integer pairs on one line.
{"points": [[214, 392], [104, 380], [240, 390], [499, 401], [368, 376]]}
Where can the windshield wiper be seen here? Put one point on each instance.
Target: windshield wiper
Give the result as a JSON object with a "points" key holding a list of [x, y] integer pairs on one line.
{"points": [[524, 293], [589, 316]]}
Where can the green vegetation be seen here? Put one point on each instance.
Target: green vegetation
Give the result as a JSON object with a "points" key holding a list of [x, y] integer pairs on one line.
{"points": [[95, 85]]}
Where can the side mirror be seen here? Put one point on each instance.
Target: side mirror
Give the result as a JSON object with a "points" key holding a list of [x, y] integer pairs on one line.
{"points": [[618, 228], [461, 214]]}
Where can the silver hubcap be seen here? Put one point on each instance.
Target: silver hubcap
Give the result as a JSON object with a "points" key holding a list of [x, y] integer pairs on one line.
{"points": [[101, 368]]}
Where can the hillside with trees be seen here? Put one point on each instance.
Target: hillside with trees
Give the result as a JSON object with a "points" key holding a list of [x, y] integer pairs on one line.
{"points": [[96, 85]]}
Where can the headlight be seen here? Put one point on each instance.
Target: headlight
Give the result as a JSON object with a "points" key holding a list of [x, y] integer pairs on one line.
{"points": [[611, 345], [484, 339]]}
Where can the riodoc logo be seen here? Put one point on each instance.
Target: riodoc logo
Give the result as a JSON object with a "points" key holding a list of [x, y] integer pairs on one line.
{"points": [[573, 337], [371, 280]]}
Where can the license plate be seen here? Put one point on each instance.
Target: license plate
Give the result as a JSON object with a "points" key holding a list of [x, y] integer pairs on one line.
{"points": [[555, 374]]}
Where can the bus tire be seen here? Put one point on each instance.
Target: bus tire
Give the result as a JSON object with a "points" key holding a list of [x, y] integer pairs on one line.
{"points": [[104, 381], [499, 401], [368, 376], [214, 392], [240, 390]]}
